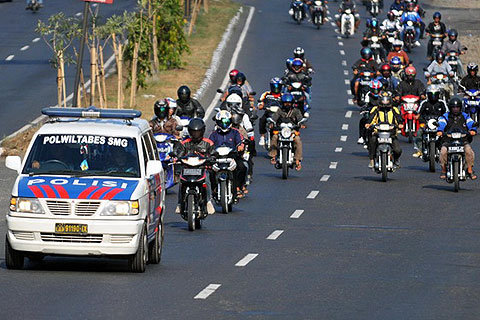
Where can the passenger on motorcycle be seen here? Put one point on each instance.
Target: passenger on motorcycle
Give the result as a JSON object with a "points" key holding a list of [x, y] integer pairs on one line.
{"points": [[452, 44], [412, 15], [471, 81], [287, 114], [268, 97], [432, 107], [397, 51], [410, 86], [298, 74], [187, 106], [435, 27], [299, 53], [348, 4], [172, 108], [439, 65], [456, 119], [397, 68], [389, 82], [201, 146], [365, 63], [384, 113], [225, 135], [29, 4], [163, 122], [372, 98]]}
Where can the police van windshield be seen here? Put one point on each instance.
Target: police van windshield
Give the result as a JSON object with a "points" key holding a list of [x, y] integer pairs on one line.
{"points": [[83, 155]]}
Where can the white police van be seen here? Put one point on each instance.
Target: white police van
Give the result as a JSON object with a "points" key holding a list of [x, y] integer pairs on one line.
{"points": [[91, 184]]}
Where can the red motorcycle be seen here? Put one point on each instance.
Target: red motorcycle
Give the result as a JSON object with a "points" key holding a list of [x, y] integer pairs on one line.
{"points": [[409, 110]]}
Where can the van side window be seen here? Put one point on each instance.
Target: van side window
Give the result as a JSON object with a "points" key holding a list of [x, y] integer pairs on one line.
{"points": [[154, 144], [145, 154]]}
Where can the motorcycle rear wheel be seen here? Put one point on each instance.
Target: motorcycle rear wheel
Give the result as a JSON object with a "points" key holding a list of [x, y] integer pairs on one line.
{"points": [[223, 196], [431, 152], [384, 167], [456, 176], [191, 212], [284, 163]]}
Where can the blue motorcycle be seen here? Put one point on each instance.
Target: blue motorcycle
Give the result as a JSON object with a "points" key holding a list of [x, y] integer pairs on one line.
{"points": [[471, 101], [165, 143], [297, 11]]}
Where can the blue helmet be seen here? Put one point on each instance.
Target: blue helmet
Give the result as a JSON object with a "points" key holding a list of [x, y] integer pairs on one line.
{"points": [[366, 53], [276, 85], [374, 23], [287, 101], [288, 63], [297, 65], [437, 15], [395, 63]]}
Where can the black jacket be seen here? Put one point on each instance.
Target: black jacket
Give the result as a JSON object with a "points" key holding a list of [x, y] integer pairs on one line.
{"points": [[203, 148], [428, 109], [362, 65], [432, 28], [191, 109], [416, 88], [470, 82], [302, 77]]}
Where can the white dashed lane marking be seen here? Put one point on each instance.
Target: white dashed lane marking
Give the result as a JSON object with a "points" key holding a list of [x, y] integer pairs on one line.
{"points": [[246, 260], [205, 293], [345, 72], [313, 194], [340, 43], [338, 149], [333, 165], [274, 235], [342, 52], [24, 48], [349, 92], [78, 14], [296, 214], [10, 57], [344, 126], [325, 177], [347, 81], [36, 40], [339, 38], [344, 63], [348, 114], [343, 138], [350, 102]]}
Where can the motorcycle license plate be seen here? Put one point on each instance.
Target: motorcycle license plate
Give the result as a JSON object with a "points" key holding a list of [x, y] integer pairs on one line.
{"points": [[191, 172], [437, 43], [456, 149], [384, 140], [473, 103], [364, 83], [375, 45], [453, 63], [319, 8], [71, 228]]}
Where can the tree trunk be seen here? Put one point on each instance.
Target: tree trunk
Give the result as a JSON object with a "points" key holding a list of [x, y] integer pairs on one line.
{"points": [[194, 17], [64, 88], [133, 88], [102, 78], [93, 74], [205, 5], [156, 63], [59, 86], [84, 90]]}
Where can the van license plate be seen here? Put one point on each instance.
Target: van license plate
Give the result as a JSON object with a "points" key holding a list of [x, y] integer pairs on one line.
{"points": [[71, 228]]}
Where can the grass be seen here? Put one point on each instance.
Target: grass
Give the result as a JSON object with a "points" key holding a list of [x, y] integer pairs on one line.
{"points": [[207, 34], [459, 4]]}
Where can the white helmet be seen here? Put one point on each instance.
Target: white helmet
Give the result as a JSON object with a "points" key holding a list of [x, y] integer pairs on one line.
{"points": [[298, 52], [398, 43], [172, 103], [234, 102]]}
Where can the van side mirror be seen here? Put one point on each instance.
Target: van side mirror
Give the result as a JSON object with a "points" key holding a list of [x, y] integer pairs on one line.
{"points": [[154, 167], [14, 163]]}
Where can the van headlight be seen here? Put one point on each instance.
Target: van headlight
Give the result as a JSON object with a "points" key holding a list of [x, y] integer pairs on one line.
{"points": [[26, 205], [120, 208]]}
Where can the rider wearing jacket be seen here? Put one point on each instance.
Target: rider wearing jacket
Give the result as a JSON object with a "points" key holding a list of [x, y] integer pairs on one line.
{"points": [[471, 81], [439, 65], [373, 98], [398, 5], [412, 15], [410, 86], [433, 107], [299, 53], [201, 146], [348, 4], [435, 27], [187, 106], [163, 122], [384, 113], [287, 114], [397, 51], [299, 74], [456, 119], [267, 98], [389, 82], [452, 44], [365, 63], [375, 31]]}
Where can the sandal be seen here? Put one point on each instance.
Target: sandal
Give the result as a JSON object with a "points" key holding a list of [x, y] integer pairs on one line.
{"points": [[472, 175], [273, 161], [443, 175], [245, 190], [298, 166]]}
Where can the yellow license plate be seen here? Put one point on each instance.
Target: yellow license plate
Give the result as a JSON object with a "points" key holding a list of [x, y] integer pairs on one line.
{"points": [[71, 228]]}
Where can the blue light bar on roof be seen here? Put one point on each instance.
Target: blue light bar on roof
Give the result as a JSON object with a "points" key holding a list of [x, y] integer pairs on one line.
{"points": [[91, 112]]}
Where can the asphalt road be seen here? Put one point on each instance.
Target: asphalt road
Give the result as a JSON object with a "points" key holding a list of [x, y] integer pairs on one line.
{"points": [[27, 80], [352, 247]]}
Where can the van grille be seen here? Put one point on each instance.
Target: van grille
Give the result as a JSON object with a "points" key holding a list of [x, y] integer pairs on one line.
{"points": [[121, 238], [59, 207], [24, 235], [82, 208], [86, 208], [88, 238]]}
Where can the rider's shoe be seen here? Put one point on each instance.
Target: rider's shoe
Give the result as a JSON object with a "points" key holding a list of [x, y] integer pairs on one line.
{"points": [[371, 164], [360, 140], [210, 208], [417, 154], [261, 142], [177, 209], [417, 44]]}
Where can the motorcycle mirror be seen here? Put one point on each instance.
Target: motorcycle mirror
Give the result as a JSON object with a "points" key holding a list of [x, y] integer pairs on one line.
{"points": [[172, 154], [179, 128], [253, 93], [254, 117], [465, 48], [425, 69], [220, 91]]}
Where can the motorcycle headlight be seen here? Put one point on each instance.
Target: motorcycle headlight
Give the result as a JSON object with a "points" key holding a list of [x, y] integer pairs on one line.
{"points": [[431, 124], [286, 132], [120, 208], [26, 205]]}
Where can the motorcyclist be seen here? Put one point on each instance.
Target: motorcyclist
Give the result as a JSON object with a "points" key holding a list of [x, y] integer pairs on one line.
{"points": [[299, 53], [365, 63], [452, 44], [201, 146], [225, 135], [29, 4], [348, 4], [389, 82], [373, 98], [456, 119], [187, 106], [471, 81], [172, 106], [287, 114], [384, 113], [412, 15], [435, 27], [391, 24], [232, 74], [397, 51], [298, 74], [267, 98], [411, 85], [305, 7], [398, 5], [421, 13], [374, 30], [439, 65], [163, 122], [397, 68], [432, 107]]}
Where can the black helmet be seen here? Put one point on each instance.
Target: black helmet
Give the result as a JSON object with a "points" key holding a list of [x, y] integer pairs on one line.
{"points": [[440, 56], [437, 15], [237, 119], [183, 94], [455, 102], [196, 129], [453, 33], [240, 77], [472, 66], [366, 53], [385, 101], [433, 93], [161, 109]]}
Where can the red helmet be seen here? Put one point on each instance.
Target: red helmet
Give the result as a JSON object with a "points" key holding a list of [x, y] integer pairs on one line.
{"points": [[385, 67], [411, 71], [233, 73]]}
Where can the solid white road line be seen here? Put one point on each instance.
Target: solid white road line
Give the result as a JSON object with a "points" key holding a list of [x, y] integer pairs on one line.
{"points": [[338, 149], [347, 81], [36, 40], [233, 62], [296, 214], [343, 138], [342, 52], [350, 102], [274, 235], [10, 57], [207, 291], [348, 114], [344, 126], [313, 194], [246, 260], [325, 177], [24, 48]]}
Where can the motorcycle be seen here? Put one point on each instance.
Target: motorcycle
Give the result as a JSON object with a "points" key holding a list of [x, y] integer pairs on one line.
{"points": [[286, 134], [297, 11], [271, 108], [224, 193], [318, 14], [374, 7], [376, 46], [456, 166], [165, 143], [453, 60], [441, 80], [299, 101], [347, 23], [383, 163], [436, 41], [409, 36], [391, 35], [430, 143], [193, 189], [363, 88], [398, 14], [408, 110], [33, 5], [471, 101]]}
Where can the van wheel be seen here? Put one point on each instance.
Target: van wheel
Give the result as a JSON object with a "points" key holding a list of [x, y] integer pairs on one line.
{"points": [[155, 247], [138, 261], [13, 258]]}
